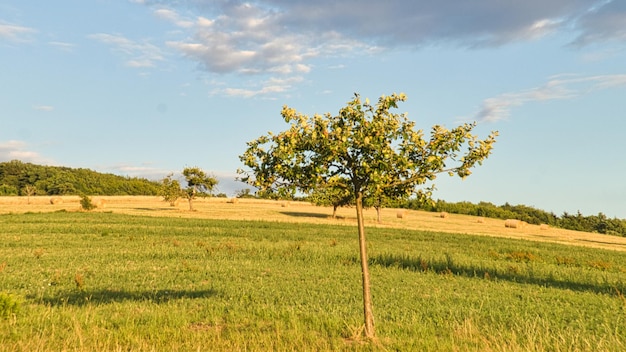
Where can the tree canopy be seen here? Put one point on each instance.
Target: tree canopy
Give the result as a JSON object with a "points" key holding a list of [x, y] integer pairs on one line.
{"points": [[198, 184]]}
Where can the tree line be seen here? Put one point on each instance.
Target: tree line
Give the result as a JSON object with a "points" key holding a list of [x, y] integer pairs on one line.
{"points": [[594, 223], [18, 178]]}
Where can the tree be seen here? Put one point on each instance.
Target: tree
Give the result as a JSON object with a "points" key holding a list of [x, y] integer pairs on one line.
{"points": [[29, 190], [86, 203], [335, 193], [198, 183], [370, 148], [170, 190]]}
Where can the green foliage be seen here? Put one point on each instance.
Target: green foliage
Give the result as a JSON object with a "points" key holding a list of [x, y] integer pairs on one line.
{"points": [[54, 180], [336, 193], [86, 203], [173, 284], [8, 190], [170, 190], [9, 305], [198, 184]]}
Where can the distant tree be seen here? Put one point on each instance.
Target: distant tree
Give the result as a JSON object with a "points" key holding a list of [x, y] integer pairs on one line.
{"points": [[29, 190], [244, 193], [170, 190], [86, 203], [335, 193], [7, 190], [372, 149], [198, 184]]}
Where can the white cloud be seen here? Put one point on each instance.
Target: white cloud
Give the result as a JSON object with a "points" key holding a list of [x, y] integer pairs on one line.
{"points": [[15, 33], [63, 45], [265, 88], [557, 87], [138, 55], [43, 107], [174, 17], [17, 150], [282, 37]]}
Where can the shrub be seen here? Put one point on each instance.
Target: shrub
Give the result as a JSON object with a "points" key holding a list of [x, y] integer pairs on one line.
{"points": [[86, 203], [9, 305]]}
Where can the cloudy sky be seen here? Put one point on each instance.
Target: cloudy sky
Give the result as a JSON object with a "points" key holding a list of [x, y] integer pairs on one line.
{"points": [[144, 88]]}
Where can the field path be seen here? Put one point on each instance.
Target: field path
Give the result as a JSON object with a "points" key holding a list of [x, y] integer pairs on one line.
{"points": [[302, 212]]}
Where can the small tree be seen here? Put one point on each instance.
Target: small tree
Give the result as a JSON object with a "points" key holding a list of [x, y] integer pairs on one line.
{"points": [[335, 193], [29, 190], [198, 184], [371, 149], [170, 190], [86, 203]]}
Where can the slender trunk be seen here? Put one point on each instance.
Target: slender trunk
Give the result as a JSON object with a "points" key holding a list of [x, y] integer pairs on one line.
{"points": [[334, 211], [378, 215], [192, 195], [367, 295]]}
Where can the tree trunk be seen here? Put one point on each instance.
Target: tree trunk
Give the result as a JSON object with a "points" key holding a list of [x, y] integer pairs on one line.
{"points": [[367, 295]]}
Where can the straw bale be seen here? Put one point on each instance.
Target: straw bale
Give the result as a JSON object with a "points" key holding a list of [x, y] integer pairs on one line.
{"points": [[514, 223], [443, 215], [56, 200], [401, 214]]}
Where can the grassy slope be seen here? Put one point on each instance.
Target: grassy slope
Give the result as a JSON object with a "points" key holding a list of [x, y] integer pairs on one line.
{"points": [[102, 281]]}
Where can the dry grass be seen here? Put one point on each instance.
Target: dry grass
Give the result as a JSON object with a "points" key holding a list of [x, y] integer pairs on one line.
{"points": [[301, 212]]}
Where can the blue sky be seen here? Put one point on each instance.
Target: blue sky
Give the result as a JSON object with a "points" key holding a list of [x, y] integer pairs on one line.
{"points": [[145, 88]]}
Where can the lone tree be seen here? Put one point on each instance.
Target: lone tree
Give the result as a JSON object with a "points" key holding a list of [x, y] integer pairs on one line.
{"points": [[198, 184], [376, 152]]}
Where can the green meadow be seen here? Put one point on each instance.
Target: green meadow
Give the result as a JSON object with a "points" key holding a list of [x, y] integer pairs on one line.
{"points": [[97, 281]]}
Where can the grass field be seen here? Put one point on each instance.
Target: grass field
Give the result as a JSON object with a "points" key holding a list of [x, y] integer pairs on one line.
{"points": [[141, 276]]}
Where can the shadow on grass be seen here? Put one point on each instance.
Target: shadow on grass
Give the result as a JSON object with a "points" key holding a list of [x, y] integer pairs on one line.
{"points": [[513, 273], [95, 297], [305, 215], [157, 209]]}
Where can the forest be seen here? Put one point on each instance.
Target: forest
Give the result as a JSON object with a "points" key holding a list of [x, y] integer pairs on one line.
{"points": [[20, 179]]}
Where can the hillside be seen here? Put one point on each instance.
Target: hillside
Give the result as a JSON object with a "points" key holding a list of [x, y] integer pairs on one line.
{"points": [[17, 177]]}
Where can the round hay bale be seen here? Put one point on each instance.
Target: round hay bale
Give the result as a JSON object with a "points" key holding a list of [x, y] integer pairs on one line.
{"points": [[544, 227], [513, 223], [481, 220], [443, 215], [401, 214], [56, 200], [100, 203], [233, 201], [284, 204]]}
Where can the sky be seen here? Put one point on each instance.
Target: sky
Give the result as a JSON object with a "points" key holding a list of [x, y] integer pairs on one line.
{"points": [[145, 88]]}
